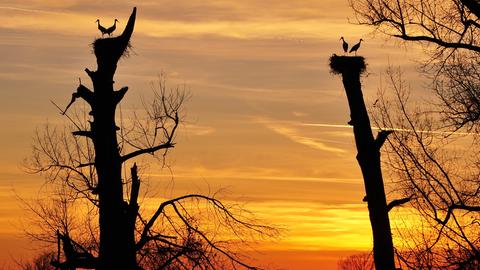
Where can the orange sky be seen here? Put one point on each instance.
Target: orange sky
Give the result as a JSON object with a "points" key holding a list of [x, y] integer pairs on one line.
{"points": [[265, 121]]}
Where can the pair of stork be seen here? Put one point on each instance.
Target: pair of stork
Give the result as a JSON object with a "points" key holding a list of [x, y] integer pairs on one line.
{"points": [[353, 49], [109, 30]]}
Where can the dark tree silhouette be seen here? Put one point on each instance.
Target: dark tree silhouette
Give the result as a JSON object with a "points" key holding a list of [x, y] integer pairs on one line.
{"points": [[443, 183], [88, 166], [360, 261], [368, 158], [441, 180], [41, 262], [450, 31]]}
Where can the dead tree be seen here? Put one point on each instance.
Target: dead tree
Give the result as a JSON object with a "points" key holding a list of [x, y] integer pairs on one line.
{"points": [[88, 167], [368, 158], [117, 239]]}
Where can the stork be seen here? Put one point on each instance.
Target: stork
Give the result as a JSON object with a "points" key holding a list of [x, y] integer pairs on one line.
{"points": [[344, 45], [355, 47], [101, 28], [112, 28]]}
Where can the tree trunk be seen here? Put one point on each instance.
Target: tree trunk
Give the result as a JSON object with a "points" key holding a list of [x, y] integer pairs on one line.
{"points": [[368, 158], [117, 243]]}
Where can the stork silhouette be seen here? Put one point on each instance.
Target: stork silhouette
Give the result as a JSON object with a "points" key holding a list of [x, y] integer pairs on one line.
{"points": [[112, 28], [344, 45], [355, 47], [101, 28]]}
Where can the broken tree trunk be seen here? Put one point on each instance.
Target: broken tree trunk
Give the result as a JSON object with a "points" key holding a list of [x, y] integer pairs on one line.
{"points": [[117, 241], [368, 158], [117, 244]]}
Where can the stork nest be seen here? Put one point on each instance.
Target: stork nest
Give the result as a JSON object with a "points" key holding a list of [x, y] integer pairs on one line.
{"points": [[114, 46], [341, 64]]}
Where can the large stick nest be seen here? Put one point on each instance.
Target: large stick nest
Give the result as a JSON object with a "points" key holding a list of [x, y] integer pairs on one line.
{"points": [[341, 64]]}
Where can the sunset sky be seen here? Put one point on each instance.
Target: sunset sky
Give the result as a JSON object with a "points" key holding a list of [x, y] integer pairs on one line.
{"points": [[265, 123]]}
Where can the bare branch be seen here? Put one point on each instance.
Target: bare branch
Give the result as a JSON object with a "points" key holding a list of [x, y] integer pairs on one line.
{"points": [[85, 133], [381, 137], [82, 92], [150, 150], [398, 202]]}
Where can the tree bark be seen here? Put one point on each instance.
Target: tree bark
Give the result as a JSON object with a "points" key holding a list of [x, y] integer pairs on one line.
{"points": [[368, 158]]}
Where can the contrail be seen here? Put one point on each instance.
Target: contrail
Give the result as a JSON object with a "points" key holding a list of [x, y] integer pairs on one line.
{"points": [[394, 129], [28, 10]]}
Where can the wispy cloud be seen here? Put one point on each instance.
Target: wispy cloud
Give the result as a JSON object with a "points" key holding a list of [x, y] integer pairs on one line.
{"points": [[228, 174], [295, 135], [30, 10], [326, 125], [393, 129], [228, 19], [198, 130]]}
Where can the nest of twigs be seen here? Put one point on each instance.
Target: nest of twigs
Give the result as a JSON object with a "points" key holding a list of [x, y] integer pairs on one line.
{"points": [[341, 64]]}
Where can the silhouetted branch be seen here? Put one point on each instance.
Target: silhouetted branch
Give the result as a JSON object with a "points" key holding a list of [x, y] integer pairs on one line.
{"points": [[398, 202], [227, 254], [262, 229], [443, 181], [149, 150], [439, 42], [91, 74], [82, 92], [118, 95], [85, 133], [381, 137], [473, 6]]}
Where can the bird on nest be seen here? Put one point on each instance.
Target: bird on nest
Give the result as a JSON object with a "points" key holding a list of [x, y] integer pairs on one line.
{"points": [[356, 47], [109, 30], [344, 45]]}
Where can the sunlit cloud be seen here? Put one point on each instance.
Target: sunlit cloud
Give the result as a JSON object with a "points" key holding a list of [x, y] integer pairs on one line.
{"points": [[393, 129], [231, 174], [243, 26], [326, 125], [295, 136], [299, 114], [197, 130], [311, 142], [27, 10]]}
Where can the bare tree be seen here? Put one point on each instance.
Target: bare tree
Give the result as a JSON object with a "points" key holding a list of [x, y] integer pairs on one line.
{"points": [[442, 181], [41, 262], [449, 32], [360, 261], [440, 176], [96, 220]]}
